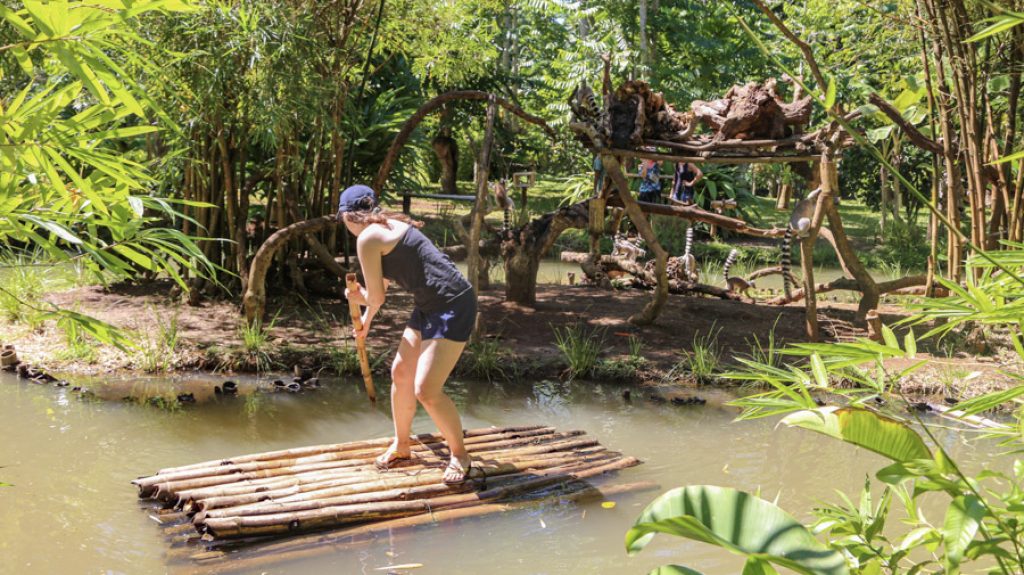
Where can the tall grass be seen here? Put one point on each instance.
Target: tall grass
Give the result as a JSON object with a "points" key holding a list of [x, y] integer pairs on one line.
{"points": [[157, 347], [77, 346], [702, 361], [580, 347], [485, 359], [256, 342]]}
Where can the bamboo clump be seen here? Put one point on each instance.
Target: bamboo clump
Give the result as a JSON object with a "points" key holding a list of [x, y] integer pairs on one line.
{"points": [[251, 498]]}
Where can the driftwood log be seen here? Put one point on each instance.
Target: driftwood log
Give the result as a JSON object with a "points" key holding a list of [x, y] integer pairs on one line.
{"points": [[644, 275], [751, 111], [636, 113]]}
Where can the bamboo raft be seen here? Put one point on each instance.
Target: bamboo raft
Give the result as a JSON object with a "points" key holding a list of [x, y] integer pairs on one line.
{"points": [[250, 502]]}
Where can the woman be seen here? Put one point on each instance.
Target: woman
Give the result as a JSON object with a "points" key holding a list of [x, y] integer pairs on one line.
{"points": [[687, 176], [391, 248], [650, 181]]}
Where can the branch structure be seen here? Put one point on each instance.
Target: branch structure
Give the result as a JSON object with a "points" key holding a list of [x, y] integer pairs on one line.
{"points": [[438, 101]]}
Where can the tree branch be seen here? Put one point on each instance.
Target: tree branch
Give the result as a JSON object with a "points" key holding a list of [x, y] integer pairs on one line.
{"points": [[915, 136]]}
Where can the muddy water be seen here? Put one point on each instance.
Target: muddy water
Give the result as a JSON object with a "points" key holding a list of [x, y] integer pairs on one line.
{"points": [[72, 510]]}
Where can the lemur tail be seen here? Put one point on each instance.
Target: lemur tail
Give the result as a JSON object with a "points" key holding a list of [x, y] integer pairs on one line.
{"points": [[728, 263], [786, 261], [689, 241]]}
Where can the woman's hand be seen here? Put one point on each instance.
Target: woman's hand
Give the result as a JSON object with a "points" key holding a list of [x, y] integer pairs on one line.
{"points": [[358, 295], [366, 319]]}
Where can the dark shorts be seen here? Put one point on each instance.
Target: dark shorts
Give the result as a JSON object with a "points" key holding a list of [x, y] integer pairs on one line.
{"points": [[454, 322], [653, 197]]}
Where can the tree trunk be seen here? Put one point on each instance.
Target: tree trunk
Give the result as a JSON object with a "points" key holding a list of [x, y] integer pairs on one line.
{"points": [[480, 208], [447, 151]]}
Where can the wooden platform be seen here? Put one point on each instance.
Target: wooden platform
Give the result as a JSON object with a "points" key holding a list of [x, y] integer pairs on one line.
{"points": [[252, 498]]}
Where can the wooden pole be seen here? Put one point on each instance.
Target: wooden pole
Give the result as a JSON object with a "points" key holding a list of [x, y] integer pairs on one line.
{"points": [[357, 323], [480, 208], [651, 310]]}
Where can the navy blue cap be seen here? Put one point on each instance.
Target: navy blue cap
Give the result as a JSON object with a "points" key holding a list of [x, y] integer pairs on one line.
{"points": [[357, 198]]}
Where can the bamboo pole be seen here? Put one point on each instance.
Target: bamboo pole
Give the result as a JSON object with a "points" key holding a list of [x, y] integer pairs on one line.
{"points": [[325, 485], [190, 490], [357, 323], [317, 449], [307, 546], [322, 453], [386, 488], [275, 524], [169, 491]]}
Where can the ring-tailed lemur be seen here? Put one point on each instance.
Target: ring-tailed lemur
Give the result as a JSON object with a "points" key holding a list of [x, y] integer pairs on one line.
{"points": [[625, 248], [504, 202], [735, 284], [584, 106], [690, 262], [799, 226]]}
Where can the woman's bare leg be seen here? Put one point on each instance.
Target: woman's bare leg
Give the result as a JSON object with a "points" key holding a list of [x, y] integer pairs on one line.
{"points": [[436, 361], [403, 396]]}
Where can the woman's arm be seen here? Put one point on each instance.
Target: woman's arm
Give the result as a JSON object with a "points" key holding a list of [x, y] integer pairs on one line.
{"points": [[696, 178], [369, 248]]}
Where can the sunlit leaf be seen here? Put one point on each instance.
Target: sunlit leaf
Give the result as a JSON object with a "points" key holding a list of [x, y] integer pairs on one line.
{"points": [[738, 522]]}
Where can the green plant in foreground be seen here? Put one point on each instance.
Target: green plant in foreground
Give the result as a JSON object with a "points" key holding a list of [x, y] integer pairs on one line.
{"points": [[580, 348], [981, 527]]}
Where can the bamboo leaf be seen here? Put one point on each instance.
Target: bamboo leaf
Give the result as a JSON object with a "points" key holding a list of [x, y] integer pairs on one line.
{"points": [[963, 517], [889, 437], [910, 344], [999, 24], [819, 371], [1011, 158], [830, 93]]}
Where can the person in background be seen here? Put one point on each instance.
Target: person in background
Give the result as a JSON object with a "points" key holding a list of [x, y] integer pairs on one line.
{"points": [[650, 181], [687, 175]]}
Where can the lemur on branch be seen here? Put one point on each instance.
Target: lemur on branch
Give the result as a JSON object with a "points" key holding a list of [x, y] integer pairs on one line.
{"points": [[734, 284], [624, 247], [800, 227]]}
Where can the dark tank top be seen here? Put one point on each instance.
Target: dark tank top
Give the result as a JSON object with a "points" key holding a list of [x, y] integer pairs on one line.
{"points": [[683, 173], [420, 268]]}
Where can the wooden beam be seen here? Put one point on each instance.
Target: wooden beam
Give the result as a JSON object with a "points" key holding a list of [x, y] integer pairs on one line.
{"points": [[697, 214], [712, 159]]}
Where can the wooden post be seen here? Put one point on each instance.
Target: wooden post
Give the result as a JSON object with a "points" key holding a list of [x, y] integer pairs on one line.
{"points": [[357, 323], [829, 179], [406, 204], [651, 310], [480, 207]]}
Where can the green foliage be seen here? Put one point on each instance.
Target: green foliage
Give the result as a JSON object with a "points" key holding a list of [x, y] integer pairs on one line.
{"points": [[77, 346], [580, 348], [982, 511], [741, 523], [344, 360], [156, 347], [487, 359], [702, 361], [256, 343]]}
